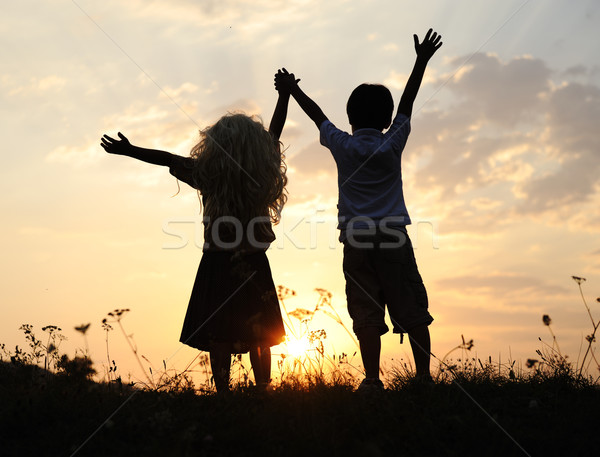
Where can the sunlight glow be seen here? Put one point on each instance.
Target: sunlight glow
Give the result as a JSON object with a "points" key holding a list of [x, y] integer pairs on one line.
{"points": [[297, 347]]}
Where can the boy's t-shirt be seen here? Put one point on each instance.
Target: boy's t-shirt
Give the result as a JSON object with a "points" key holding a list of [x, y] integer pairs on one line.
{"points": [[369, 175]]}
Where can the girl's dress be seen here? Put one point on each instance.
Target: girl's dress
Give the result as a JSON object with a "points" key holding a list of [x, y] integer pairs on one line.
{"points": [[233, 300]]}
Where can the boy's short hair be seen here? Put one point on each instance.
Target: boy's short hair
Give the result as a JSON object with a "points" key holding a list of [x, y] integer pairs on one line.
{"points": [[370, 106]]}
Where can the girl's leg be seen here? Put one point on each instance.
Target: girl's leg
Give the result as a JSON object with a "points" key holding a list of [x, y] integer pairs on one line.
{"points": [[260, 357], [220, 362]]}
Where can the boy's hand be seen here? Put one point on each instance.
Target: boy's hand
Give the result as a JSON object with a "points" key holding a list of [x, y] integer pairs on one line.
{"points": [[285, 82], [113, 146], [430, 44]]}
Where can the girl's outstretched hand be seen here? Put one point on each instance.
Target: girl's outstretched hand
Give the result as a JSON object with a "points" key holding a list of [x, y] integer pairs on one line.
{"points": [[284, 81], [430, 44], [113, 146]]}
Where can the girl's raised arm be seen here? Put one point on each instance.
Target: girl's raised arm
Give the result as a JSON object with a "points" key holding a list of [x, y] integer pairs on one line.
{"points": [[125, 148], [279, 115]]}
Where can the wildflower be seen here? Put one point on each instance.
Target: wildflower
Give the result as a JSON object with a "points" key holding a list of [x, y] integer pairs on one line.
{"points": [[323, 292], [51, 329], [468, 345], [26, 328], [578, 279], [531, 363], [83, 328], [317, 335], [546, 319], [301, 314], [284, 292]]}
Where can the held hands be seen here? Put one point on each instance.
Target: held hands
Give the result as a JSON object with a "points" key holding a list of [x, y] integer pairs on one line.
{"points": [[285, 82], [430, 44], [113, 146]]}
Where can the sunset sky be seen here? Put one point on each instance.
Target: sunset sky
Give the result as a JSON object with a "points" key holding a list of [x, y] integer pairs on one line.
{"points": [[501, 171]]}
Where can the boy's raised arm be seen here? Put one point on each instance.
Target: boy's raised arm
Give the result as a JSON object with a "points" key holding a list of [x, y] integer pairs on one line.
{"points": [[125, 148], [287, 81], [425, 50]]}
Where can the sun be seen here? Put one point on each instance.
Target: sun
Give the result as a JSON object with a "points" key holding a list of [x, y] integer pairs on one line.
{"points": [[297, 347]]}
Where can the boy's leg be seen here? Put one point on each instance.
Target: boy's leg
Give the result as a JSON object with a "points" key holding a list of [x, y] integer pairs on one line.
{"points": [[407, 300], [369, 339], [220, 363], [365, 304], [420, 343], [260, 358]]}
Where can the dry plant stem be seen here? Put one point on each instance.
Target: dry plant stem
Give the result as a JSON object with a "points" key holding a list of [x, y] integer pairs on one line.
{"points": [[108, 357], [593, 335], [189, 364], [87, 347], [289, 324], [46, 356], [339, 321], [443, 361], [136, 354], [554, 340], [551, 348], [586, 305]]}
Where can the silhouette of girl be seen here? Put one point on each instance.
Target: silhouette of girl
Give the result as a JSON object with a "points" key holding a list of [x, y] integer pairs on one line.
{"points": [[238, 169]]}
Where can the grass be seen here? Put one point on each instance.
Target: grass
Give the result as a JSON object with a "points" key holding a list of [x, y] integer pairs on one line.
{"points": [[55, 405], [47, 413]]}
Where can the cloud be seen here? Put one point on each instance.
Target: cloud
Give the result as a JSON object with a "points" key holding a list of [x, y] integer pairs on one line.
{"points": [[502, 92], [177, 92], [76, 156], [243, 105], [573, 144], [232, 18], [313, 160], [36, 86], [312, 177], [395, 81], [507, 133], [500, 285]]}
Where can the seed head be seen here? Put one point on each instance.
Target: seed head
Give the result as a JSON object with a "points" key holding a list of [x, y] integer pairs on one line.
{"points": [[531, 363], [83, 328]]}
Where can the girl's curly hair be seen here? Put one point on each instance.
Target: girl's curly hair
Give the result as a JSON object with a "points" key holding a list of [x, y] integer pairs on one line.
{"points": [[240, 169]]}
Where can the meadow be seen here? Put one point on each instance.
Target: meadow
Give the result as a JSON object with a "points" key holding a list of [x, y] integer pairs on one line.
{"points": [[53, 404]]}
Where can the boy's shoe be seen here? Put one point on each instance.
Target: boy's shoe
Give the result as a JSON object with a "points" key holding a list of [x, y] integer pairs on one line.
{"points": [[369, 385]]}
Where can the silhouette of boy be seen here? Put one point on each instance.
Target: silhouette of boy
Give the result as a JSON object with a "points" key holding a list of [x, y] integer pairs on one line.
{"points": [[379, 263]]}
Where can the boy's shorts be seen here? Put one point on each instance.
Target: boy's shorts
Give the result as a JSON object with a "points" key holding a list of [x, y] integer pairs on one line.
{"points": [[381, 270]]}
